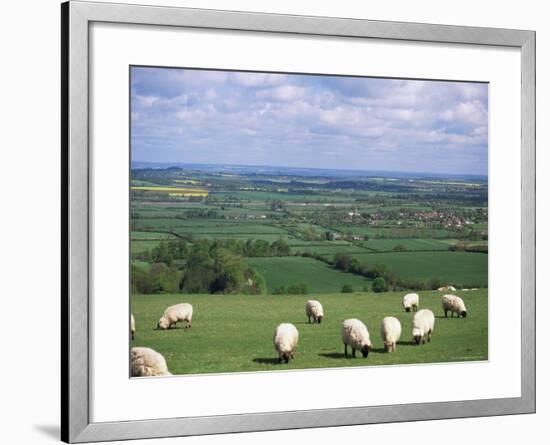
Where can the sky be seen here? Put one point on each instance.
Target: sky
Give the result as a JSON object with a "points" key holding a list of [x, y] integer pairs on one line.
{"points": [[292, 120]]}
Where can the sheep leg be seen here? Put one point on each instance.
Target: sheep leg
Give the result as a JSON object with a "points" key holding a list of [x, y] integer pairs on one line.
{"points": [[445, 313], [345, 350], [429, 336], [353, 352]]}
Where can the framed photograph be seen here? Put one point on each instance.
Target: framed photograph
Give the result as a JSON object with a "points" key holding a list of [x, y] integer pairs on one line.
{"points": [[292, 222]]}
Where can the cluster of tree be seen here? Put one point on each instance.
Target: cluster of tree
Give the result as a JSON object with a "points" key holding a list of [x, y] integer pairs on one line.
{"points": [[199, 213], [157, 279], [293, 289], [348, 263], [276, 205], [219, 270], [205, 271]]}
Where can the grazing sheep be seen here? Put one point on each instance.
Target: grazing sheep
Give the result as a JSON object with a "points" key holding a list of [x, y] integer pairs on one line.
{"points": [[391, 331], [411, 301], [453, 304], [173, 314], [314, 310], [356, 335], [132, 326], [423, 326], [285, 340], [446, 288], [146, 362]]}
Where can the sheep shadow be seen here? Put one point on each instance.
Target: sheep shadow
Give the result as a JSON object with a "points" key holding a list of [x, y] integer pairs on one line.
{"points": [[406, 343], [266, 360], [335, 355]]}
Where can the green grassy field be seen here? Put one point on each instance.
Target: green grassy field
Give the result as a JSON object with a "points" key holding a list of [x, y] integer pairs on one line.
{"points": [[234, 332], [316, 275], [151, 236], [140, 246], [453, 267], [385, 245]]}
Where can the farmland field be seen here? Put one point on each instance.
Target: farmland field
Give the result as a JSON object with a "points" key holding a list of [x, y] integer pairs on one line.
{"points": [[316, 275], [234, 332], [460, 268], [385, 245]]}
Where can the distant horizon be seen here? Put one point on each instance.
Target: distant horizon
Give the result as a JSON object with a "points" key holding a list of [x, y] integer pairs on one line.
{"points": [[226, 165], [309, 121]]}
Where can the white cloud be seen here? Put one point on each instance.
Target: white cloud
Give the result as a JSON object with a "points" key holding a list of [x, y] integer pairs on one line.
{"points": [[282, 93], [471, 113]]}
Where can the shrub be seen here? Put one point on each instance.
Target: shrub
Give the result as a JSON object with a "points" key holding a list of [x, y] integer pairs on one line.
{"points": [[379, 285], [347, 289]]}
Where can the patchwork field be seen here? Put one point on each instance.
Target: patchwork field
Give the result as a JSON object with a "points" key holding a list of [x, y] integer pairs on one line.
{"points": [[234, 332]]}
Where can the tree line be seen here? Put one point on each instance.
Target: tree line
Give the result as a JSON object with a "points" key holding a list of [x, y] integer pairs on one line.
{"points": [[180, 249]]}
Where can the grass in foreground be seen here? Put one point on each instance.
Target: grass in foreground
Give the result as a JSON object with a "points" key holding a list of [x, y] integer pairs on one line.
{"points": [[234, 332]]}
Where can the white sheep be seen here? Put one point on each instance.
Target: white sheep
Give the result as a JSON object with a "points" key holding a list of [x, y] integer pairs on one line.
{"points": [[173, 314], [446, 288], [132, 326], [356, 335], [391, 332], [146, 362], [453, 304], [423, 326], [314, 310], [411, 301], [285, 340]]}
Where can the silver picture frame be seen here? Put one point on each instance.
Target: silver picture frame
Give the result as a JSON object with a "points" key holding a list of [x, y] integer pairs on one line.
{"points": [[76, 18]]}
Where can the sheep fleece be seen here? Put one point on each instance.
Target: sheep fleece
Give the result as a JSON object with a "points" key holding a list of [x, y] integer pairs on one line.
{"points": [[411, 300], [285, 338], [314, 309], [454, 304], [179, 312], [391, 330], [355, 334], [423, 322], [146, 362]]}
